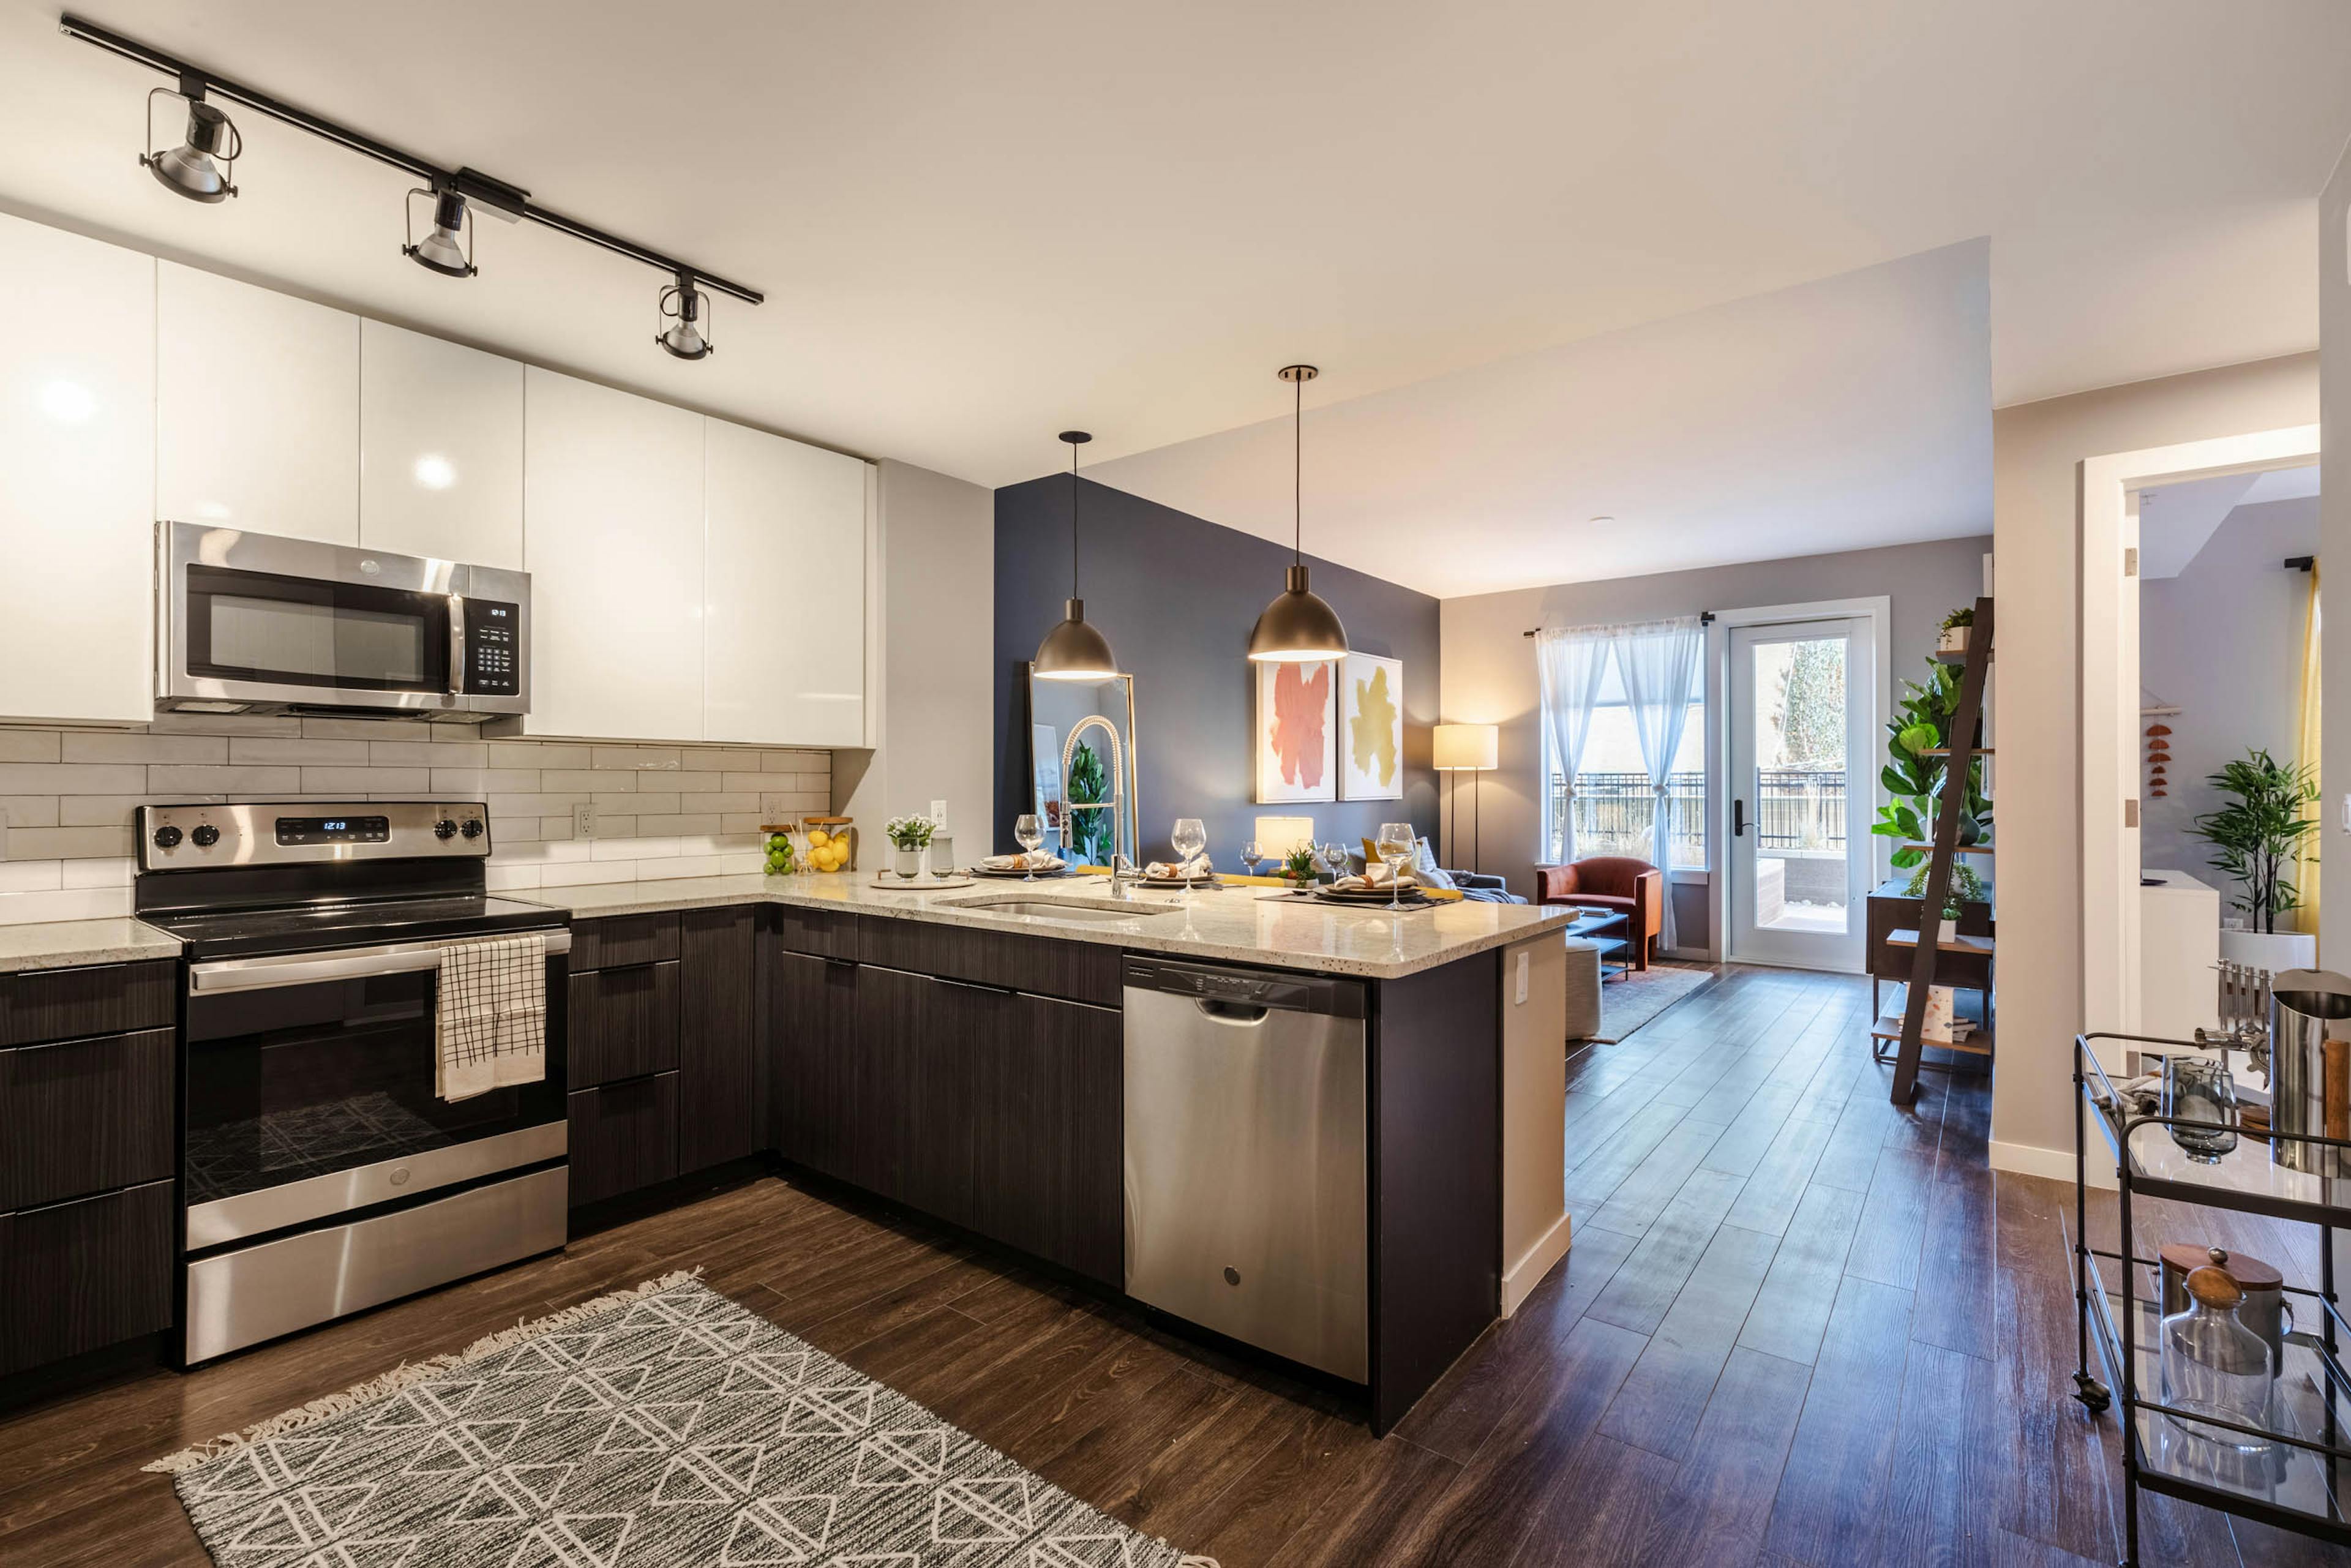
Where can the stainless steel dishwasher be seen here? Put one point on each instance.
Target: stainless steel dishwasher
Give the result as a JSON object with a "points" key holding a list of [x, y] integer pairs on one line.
{"points": [[1246, 1186]]}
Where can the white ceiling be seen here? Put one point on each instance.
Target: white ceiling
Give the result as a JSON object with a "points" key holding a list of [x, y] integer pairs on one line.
{"points": [[980, 224], [1842, 414], [2175, 521]]}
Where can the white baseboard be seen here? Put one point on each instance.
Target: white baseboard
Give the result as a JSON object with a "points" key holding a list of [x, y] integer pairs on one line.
{"points": [[2057, 1165], [1519, 1281]]}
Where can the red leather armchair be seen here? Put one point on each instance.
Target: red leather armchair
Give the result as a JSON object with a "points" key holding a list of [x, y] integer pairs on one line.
{"points": [[1632, 887]]}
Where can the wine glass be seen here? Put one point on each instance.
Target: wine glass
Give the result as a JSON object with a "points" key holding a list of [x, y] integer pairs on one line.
{"points": [[1252, 852], [1190, 837], [1394, 844], [1028, 832]]}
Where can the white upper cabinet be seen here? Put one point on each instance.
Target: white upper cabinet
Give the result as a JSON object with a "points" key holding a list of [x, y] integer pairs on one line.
{"points": [[77, 499], [440, 449], [257, 417], [612, 540], [784, 592]]}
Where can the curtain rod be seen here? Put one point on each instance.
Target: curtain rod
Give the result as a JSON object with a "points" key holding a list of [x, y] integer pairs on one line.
{"points": [[1704, 618], [2300, 562]]}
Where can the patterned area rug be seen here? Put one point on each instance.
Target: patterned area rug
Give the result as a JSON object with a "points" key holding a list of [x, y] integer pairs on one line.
{"points": [[660, 1427], [1636, 998]]}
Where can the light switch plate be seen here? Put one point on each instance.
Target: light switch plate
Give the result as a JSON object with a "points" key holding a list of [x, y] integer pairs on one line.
{"points": [[583, 820], [1523, 979]]}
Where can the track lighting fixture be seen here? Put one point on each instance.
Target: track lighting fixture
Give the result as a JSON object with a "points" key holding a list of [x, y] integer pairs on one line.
{"points": [[449, 248], [684, 312], [198, 168], [1299, 627]]}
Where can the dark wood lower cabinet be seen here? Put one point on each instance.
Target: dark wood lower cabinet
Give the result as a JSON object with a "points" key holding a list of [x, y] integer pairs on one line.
{"points": [[995, 1111], [81, 1276], [84, 1116], [623, 1137], [624, 1024], [717, 1087], [1048, 1156], [812, 1116]]}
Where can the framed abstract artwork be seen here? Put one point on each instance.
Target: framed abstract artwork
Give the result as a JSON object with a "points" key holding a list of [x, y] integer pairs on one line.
{"points": [[1371, 727], [1297, 733]]}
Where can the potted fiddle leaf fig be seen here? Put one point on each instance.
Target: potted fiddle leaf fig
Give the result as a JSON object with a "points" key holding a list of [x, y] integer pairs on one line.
{"points": [[1913, 779]]}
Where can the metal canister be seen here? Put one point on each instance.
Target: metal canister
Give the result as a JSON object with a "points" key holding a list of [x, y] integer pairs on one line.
{"points": [[2263, 1310], [2310, 1076]]}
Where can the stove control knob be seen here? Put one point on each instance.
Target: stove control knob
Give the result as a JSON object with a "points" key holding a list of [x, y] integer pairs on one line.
{"points": [[444, 828], [167, 838], [205, 836], [473, 827]]}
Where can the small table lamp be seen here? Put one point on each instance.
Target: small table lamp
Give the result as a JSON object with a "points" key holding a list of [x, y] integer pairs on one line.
{"points": [[1277, 836], [1468, 748]]}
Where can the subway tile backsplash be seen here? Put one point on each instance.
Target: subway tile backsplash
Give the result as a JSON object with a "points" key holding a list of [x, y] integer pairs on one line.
{"points": [[662, 810]]}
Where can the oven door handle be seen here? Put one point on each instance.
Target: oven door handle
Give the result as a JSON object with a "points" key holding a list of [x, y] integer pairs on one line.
{"points": [[350, 964]]}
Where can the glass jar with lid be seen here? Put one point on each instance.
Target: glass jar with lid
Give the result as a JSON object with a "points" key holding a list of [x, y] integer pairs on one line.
{"points": [[831, 842], [2212, 1365]]}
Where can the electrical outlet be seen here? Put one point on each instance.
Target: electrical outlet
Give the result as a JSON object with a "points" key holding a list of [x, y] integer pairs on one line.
{"points": [[583, 820], [939, 812], [1523, 979]]}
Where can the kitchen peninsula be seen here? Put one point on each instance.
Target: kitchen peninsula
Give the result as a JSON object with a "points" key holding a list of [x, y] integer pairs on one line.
{"points": [[974, 1064]]}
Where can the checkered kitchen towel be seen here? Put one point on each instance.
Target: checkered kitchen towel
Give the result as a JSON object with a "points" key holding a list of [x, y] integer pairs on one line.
{"points": [[491, 1029]]}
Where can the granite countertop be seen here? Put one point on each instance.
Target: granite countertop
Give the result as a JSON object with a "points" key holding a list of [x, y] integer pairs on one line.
{"points": [[1257, 925], [66, 944]]}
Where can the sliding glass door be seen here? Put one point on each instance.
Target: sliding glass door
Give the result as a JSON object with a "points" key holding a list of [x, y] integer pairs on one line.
{"points": [[1799, 783]]}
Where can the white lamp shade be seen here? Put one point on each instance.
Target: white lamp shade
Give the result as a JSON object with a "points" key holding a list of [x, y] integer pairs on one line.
{"points": [[1468, 747], [1277, 836]]}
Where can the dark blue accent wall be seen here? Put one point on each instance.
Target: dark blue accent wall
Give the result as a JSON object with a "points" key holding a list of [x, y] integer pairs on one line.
{"points": [[1177, 596]]}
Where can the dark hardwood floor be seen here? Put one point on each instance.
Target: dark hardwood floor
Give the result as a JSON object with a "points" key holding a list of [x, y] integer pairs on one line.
{"points": [[1798, 1327]]}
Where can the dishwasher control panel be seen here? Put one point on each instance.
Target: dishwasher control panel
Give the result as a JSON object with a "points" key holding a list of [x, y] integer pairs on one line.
{"points": [[1253, 987]]}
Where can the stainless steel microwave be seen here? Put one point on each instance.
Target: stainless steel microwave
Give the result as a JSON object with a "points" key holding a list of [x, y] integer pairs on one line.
{"points": [[250, 622]]}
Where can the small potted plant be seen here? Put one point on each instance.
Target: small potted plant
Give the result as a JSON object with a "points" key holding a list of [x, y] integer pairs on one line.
{"points": [[912, 835], [1954, 639], [2262, 826], [1964, 888], [1300, 867]]}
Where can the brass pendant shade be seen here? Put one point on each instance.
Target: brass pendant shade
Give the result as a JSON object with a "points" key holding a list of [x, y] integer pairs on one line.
{"points": [[1075, 650], [1299, 627]]}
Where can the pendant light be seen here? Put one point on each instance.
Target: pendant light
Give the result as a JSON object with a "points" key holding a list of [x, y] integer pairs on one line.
{"points": [[1298, 628], [1075, 651]]}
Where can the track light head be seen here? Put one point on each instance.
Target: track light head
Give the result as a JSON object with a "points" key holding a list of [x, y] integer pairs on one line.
{"points": [[198, 168], [684, 312], [449, 248]]}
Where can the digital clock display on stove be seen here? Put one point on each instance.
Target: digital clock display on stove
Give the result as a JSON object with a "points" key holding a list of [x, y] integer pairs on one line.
{"points": [[333, 830]]}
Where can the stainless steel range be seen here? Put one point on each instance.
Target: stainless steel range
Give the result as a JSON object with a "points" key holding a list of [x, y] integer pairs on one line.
{"points": [[321, 1173]]}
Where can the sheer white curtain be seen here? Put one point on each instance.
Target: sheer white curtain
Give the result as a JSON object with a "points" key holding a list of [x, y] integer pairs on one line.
{"points": [[1658, 662], [1571, 663]]}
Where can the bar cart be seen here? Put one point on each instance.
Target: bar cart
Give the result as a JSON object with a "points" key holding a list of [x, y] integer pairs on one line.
{"points": [[2289, 1473]]}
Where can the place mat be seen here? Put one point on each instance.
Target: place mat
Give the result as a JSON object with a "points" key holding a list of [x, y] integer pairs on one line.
{"points": [[891, 881]]}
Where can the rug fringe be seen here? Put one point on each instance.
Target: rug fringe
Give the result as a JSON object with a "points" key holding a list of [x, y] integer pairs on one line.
{"points": [[327, 1406]]}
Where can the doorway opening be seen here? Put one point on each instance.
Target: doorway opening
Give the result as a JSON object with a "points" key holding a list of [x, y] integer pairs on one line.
{"points": [[2139, 974], [1805, 686]]}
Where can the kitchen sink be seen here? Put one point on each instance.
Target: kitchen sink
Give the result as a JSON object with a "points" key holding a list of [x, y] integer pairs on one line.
{"points": [[1083, 911]]}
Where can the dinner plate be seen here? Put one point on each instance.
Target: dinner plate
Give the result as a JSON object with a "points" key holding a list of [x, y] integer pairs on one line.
{"points": [[1040, 873], [1172, 882]]}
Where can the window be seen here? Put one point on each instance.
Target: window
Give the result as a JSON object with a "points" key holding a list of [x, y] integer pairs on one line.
{"points": [[1613, 812]]}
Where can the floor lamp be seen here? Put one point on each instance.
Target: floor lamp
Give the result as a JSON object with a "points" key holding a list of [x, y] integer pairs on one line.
{"points": [[1467, 748]]}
